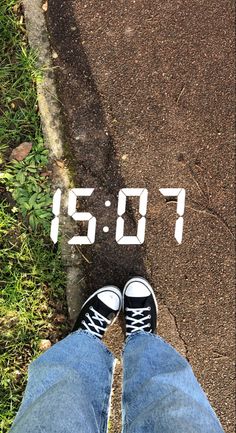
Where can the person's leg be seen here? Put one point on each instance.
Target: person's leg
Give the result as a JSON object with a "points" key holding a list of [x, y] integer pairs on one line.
{"points": [[69, 386], [160, 391]]}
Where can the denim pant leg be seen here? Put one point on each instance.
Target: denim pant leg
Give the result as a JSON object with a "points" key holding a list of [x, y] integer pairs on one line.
{"points": [[69, 388], [160, 391]]}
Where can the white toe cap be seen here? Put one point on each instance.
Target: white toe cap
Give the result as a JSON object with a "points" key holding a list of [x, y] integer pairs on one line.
{"points": [[137, 289], [110, 299]]}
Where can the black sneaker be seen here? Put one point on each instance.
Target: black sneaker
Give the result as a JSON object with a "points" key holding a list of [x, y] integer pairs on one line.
{"points": [[140, 306], [99, 311]]}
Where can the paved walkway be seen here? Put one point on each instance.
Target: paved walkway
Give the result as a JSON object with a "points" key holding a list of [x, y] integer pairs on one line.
{"points": [[147, 90]]}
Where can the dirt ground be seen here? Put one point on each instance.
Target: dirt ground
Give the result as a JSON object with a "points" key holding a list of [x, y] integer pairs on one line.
{"points": [[147, 94]]}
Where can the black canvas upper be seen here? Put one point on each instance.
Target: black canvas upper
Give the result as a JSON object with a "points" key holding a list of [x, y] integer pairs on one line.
{"points": [[100, 307], [141, 302]]}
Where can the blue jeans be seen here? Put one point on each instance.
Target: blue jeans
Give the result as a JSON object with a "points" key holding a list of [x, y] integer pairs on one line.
{"points": [[69, 389]]}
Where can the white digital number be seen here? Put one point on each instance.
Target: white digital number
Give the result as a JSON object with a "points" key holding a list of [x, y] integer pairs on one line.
{"points": [[142, 193], [56, 211], [81, 216], [180, 193], [122, 198]]}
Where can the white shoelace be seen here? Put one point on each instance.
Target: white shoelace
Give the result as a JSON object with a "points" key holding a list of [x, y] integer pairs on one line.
{"points": [[140, 322], [97, 316]]}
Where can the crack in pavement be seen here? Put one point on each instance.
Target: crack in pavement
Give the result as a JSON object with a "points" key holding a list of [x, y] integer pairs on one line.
{"points": [[178, 332]]}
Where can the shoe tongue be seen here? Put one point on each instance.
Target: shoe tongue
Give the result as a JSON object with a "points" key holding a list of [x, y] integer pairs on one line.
{"points": [[137, 302]]}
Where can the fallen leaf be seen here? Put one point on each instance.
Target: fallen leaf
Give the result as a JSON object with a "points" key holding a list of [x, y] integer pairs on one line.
{"points": [[60, 163], [18, 376], [46, 173], [15, 8], [54, 55], [45, 6], [60, 318], [20, 152], [44, 344]]}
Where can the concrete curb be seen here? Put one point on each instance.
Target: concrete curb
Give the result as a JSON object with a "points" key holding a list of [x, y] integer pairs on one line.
{"points": [[52, 125]]}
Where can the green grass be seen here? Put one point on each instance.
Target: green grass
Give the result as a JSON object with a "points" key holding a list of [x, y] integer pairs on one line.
{"points": [[18, 74], [19, 119], [32, 281]]}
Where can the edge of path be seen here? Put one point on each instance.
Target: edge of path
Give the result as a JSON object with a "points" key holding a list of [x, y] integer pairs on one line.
{"points": [[52, 126]]}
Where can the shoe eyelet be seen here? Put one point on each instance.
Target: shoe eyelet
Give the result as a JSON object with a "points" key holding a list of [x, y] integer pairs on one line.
{"points": [[149, 325], [149, 308], [90, 307], [87, 314], [149, 316]]}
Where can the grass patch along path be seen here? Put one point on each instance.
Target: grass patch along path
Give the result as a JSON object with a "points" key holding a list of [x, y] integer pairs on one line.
{"points": [[32, 281]]}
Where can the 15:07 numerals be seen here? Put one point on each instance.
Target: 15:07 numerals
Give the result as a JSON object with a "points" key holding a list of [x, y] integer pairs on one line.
{"points": [[142, 193]]}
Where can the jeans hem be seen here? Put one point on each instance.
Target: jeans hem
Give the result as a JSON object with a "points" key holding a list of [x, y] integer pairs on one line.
{"points": [[142, 333], [108, 412], [98, 341]]}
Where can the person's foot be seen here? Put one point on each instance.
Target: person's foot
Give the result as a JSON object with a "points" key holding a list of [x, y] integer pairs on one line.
{"points": [[140, 306], [99, 311]]}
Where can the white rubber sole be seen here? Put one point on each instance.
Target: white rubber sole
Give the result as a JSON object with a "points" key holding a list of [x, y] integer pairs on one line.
{"points": [[146, 283]]}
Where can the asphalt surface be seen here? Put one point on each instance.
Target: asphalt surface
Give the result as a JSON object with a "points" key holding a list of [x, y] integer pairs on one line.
{"points": [[147, 94]]}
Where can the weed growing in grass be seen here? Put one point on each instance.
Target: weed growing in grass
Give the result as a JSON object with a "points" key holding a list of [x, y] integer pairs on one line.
{"points": [[30, 190]]}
